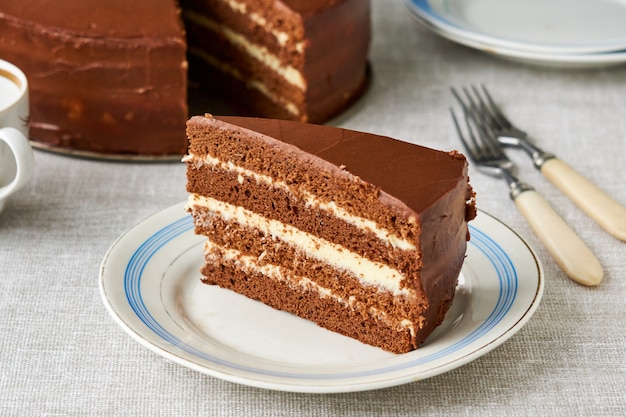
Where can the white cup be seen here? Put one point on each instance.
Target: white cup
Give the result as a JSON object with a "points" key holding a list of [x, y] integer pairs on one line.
{"points": [[16, 155]]}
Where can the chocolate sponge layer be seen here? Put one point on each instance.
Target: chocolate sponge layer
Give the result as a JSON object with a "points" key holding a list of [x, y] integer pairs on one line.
{"points": [[272, 168]]}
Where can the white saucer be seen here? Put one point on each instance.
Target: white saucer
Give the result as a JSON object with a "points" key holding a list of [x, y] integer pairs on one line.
{"points": [[553, 32], [149, 281]]}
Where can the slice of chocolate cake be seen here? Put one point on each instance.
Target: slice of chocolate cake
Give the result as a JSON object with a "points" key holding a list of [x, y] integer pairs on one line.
{"points": [[363, 234]]}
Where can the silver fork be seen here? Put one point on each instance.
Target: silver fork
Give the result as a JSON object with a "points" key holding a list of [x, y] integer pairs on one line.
{"points": [[567, 249], [603, 209]]}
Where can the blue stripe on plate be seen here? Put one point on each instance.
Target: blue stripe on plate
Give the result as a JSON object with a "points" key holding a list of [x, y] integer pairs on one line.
{"points": [[502, 264], [425, 8]]}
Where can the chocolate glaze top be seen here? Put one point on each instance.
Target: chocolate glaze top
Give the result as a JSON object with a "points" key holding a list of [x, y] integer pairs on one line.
{"points": [[408, 172], [112, 18], [120, 18]]}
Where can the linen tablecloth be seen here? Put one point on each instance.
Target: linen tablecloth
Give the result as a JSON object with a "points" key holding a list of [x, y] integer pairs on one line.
{"points": [[63, 355]]}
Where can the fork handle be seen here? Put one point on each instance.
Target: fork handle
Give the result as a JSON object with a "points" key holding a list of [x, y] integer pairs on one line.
{"points": [[607, 212], [567, 249]]}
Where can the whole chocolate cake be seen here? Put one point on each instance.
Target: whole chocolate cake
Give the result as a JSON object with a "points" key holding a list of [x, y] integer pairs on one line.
{"points": [[112, 78], [363, 234]]}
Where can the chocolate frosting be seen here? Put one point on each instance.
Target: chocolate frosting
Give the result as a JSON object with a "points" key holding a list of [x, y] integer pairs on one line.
{"points": [[409, 172], [310, 7], [105, 80], [116, 18]]}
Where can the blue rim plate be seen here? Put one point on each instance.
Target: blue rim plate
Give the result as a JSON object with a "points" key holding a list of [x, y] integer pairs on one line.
{"points": [[149, 282], [553, 32]]}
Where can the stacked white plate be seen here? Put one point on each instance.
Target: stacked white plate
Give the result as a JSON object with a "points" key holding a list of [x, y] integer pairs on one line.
{"points": [[575, 33]]}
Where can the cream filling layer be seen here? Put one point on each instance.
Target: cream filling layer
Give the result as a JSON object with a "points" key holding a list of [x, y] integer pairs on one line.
{"points": [[368, 272], [381, 233], [250, 264], [281, 37], [234, 72], [289, 73]]}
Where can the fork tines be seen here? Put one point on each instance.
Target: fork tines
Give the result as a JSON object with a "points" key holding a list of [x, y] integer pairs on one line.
{"points": [[482, 143], [482, 106]]}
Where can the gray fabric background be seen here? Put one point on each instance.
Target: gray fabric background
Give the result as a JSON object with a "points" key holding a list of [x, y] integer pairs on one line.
{"points": [[62, 355]]}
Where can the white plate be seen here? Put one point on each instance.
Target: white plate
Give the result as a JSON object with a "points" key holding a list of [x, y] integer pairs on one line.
{"points": [[583, 32], [561, 60], [149, 281]]}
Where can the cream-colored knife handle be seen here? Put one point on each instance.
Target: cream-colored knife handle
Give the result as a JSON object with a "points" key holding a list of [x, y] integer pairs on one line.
{"points": [[567, 249], [607, 212]]}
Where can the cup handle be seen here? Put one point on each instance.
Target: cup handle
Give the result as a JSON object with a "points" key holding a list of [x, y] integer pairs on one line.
{"points": [[24, 160]]}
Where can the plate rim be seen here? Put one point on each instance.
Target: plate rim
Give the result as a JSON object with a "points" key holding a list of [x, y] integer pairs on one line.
{"points": [[352, 385], [425, 15]]}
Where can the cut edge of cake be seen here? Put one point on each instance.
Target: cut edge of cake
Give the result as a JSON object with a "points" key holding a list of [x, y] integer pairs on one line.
{"points": [[303, 234]]}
